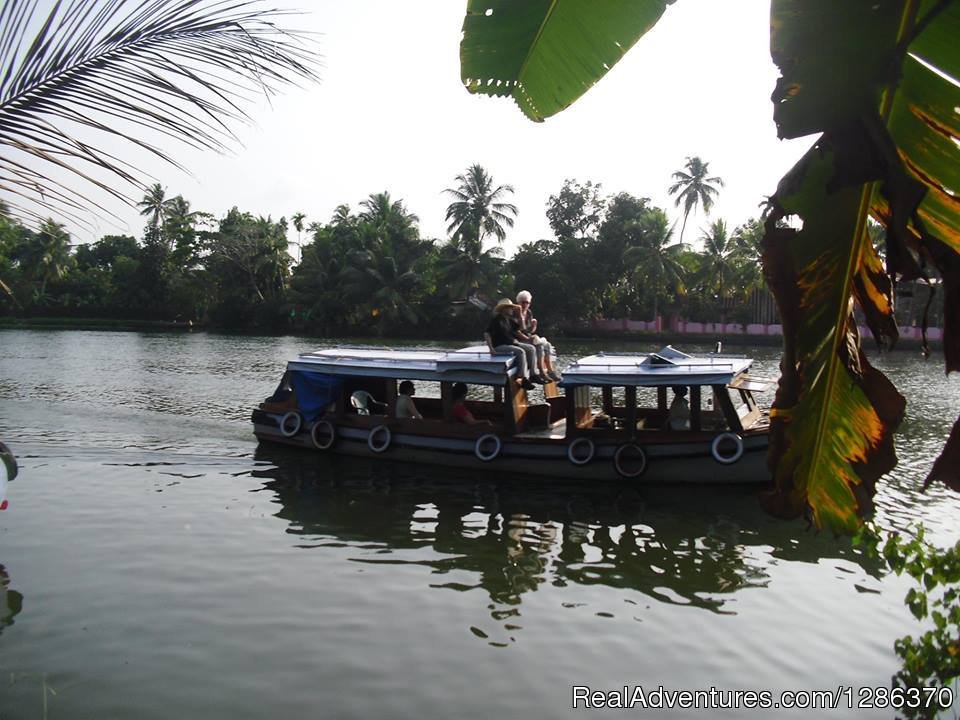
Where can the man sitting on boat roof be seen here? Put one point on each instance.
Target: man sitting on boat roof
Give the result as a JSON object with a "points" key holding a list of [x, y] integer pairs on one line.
{"points": [[500, 337]]}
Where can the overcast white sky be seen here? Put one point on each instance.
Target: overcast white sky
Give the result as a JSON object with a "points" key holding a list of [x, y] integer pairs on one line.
{"points": [[391, 114]]}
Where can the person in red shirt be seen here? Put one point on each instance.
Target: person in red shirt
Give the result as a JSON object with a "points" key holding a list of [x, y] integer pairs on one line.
{"points": [[460, 411]]}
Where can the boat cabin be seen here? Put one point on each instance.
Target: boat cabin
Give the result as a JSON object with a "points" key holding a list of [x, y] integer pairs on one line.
{"points": [[657, 417], [359, 386], [637, 395]]}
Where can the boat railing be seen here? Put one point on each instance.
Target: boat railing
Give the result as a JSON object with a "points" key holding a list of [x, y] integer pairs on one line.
{"points": [[732, 356], [658, 369]]}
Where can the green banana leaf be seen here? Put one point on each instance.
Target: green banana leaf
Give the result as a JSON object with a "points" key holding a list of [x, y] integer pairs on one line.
{"points": [[547, 53]]}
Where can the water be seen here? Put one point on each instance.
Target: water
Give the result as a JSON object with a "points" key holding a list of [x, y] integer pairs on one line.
{"points": [[157, 564]]}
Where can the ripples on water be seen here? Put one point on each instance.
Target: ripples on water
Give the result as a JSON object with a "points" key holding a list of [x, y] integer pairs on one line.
{"points": [[155, 562]]}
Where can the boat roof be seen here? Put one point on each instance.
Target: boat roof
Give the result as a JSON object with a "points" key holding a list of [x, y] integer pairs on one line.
{"points": [[475, 364], [472, 364], [668, 366]]}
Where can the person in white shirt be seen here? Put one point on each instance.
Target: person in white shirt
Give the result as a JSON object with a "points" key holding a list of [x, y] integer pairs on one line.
{"points": [[678, 417], [528, 334], [405, 405]]}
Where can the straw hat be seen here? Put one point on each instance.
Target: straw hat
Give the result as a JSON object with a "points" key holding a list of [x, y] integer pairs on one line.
{"points": [[505, 304]]}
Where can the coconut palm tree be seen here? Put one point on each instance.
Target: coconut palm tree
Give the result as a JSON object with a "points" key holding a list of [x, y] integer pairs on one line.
{"points": [[297, 220], [379, 282], [465, 268], [154, 204], [179, 69], [718, 264], [656, 264], [341, 216], [387, 215], [386, 224], [179, 231], [52, 256], [746, 255], [693, 188], [476, 211]]}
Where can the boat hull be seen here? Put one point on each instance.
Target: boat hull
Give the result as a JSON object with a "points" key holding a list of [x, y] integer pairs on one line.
{"points": [[669, 462]]}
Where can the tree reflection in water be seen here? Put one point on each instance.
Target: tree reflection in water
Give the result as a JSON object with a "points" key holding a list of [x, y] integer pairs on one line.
{"points": [[694, 546]]}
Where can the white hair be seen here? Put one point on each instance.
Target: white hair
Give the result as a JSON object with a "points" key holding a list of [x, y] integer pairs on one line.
{"points": [[524, 296]]}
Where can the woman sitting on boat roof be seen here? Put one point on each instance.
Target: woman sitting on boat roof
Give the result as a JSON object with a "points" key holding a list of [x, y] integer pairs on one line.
{"points": [[528, 334], [501, 338]]}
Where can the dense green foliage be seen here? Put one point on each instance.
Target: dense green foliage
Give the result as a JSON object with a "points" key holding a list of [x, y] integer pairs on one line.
{"points": [[931, 659], [370, 272]]}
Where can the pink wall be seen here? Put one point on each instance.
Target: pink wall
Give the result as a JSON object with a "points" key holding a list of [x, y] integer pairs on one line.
{"points": [[679, 325]]}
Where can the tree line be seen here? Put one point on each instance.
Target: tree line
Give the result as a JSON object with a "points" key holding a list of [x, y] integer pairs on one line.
{"points": [[368, 270]]}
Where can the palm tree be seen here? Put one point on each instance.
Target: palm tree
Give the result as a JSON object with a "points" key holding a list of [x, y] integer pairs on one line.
{"points": [[386, 224], [383, 285], [297, 219], [476, 211], [719, 261], [693, 187], [465, 268], [657, 265], [386, 214], [341, 216], [179, 230], [178, 69], [154, 204], [746, 255], [53, 254]]}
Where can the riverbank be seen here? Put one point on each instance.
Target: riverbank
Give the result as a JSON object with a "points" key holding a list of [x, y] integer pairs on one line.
{"points": [[649, 338], [69, 323]]}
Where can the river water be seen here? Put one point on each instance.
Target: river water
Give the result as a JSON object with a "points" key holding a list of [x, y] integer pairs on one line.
{"points": [[156, 563]]}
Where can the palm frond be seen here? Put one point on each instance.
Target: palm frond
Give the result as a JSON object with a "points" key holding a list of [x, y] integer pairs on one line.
{"points": [[110, 69]]}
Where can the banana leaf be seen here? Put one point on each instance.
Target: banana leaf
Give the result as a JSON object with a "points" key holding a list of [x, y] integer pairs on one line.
{"points": [[874, 77], [547, 53]]}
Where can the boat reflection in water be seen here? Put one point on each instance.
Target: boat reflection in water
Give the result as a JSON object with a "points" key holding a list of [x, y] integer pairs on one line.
{"points": [[11, 602], [693, 546]]}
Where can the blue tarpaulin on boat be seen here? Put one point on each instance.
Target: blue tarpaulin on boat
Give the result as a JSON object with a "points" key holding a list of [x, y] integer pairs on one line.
{"points": [[315, 391]]}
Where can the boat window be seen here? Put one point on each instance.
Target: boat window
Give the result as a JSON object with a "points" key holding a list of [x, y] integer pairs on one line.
{"points": [[424, 388], [480, 392], [367, 396], [740, 403]]}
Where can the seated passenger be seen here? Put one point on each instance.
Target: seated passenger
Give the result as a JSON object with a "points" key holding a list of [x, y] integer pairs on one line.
{"points": [[528, 333], [405, 405], [460, 411], [678, 417]]}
